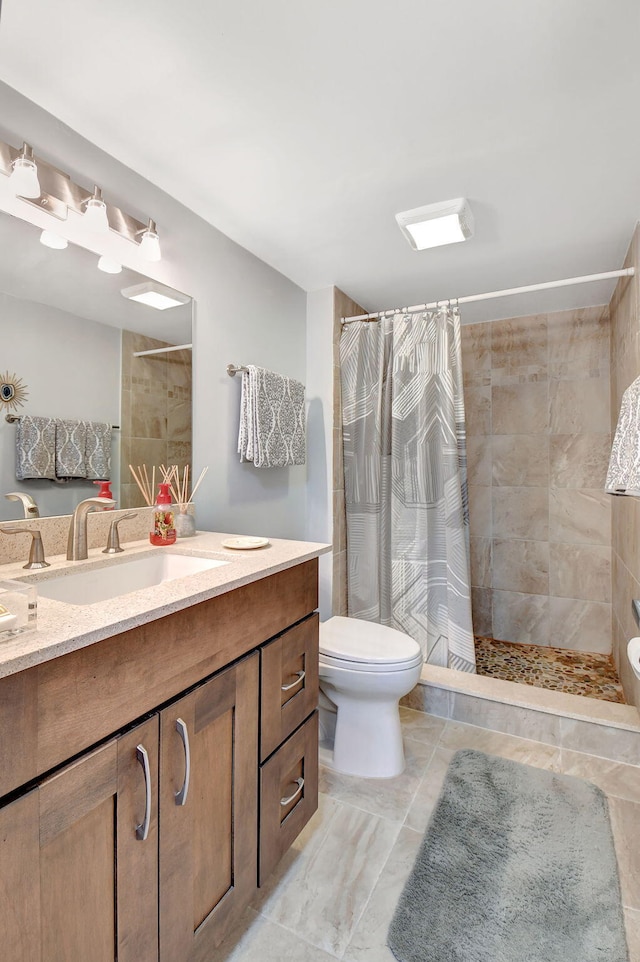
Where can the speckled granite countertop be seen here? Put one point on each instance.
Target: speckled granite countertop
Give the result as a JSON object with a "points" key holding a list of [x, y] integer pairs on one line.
{"points": [[63, 628]]}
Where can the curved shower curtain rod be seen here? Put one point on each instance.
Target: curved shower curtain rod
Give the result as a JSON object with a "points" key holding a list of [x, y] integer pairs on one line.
{"points": [[608, 275]]}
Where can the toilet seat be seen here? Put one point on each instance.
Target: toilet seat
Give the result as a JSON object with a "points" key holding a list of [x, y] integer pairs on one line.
{"points": [[357, 645]]}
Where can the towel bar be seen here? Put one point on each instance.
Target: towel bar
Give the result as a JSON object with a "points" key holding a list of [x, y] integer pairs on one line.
{"points": [[14, 418], [233, 369]]}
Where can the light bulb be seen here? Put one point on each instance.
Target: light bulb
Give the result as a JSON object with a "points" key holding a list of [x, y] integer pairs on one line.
{"points": [[24, 175], [95, 216], [150, 243], [109, 266], [54, 241]]}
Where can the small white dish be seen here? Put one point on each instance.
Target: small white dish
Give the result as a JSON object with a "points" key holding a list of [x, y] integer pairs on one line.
{"points": [[245, 543]]}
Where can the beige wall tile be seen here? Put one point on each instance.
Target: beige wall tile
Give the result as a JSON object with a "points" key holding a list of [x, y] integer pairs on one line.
{"points": [[521, 617], [580, 571], [476, 353], [520, 513], [481, 611], [480, 551], [479, 459], [604, 740], [579, 343], [519, 349], [525, 723], [579, 460], [521, 566], [480, 510], [580, 515], [580, 625], [520, 459], [577, 407], [477, 408], [520, 409]]}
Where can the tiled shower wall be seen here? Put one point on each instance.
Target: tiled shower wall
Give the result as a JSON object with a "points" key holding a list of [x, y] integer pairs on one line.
{"points": [[625, 368], [155, 411], [538, 435]]}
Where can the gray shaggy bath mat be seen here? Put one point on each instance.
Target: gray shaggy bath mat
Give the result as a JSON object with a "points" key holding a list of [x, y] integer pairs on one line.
{"points": [[517, 865]]}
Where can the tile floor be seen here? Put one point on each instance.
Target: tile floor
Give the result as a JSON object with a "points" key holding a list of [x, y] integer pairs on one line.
{"points": [[560, 669], [334, 893]]}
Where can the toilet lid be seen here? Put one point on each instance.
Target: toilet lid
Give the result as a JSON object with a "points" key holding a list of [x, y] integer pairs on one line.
{"points": [[355, 640]]}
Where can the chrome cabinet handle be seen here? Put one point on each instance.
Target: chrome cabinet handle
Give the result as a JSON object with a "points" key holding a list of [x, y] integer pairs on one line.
{"points": [[183, 732], [290, 798], [142, 830], [293, 684]]}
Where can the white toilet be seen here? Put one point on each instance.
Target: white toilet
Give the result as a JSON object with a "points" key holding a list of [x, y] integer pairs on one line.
{"points": [[365, 669]]}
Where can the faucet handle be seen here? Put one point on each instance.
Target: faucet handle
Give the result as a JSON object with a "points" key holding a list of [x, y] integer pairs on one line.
{"points": [[113, 538], [36, 554]]}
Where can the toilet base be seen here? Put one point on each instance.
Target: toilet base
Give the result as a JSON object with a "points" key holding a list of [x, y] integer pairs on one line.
{"points": [[368, 738]]}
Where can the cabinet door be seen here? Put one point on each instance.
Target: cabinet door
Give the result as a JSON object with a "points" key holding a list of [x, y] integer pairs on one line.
{"points": [[20, 879], [96, 875], [208, 811]]}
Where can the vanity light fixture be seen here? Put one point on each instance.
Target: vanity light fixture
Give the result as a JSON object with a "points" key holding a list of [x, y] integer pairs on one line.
{"points": [[150, 242], [24, 174], [54, 241], [155, 295], [447, 222], [108, 266], [95, 215]]}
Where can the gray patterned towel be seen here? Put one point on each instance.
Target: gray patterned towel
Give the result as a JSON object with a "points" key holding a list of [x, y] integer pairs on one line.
{"points": [[98, 450], [35, 448], [272, 419], [623, 476], [71, 443]]}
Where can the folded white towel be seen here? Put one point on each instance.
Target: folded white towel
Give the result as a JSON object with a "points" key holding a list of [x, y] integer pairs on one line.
{"points": [[623, 476], [35, 448], [272, 419]]}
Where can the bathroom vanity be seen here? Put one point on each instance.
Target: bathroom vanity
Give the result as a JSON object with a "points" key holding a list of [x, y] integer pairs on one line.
{"points": [[158, 755]]}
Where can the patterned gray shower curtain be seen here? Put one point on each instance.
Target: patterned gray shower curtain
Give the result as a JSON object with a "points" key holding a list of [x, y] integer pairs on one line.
{"points": [[406, 481]]}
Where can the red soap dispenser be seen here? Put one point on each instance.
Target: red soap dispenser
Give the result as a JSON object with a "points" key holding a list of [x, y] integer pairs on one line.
{"points": [[163, 530], [105, 492]]}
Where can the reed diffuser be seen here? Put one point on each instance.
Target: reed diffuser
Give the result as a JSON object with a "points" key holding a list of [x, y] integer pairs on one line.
{"points": [[179, 486]]}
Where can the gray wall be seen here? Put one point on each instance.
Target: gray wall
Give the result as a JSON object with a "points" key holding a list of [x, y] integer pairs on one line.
{"points": [[245, 312], [57, 387]]}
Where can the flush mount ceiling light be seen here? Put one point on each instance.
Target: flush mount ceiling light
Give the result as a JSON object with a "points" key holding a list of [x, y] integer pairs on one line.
{"points": [[447, 222], [155, 295], [150, 243], [108, 266], [24, 174], [54, 241], [95, 215]]}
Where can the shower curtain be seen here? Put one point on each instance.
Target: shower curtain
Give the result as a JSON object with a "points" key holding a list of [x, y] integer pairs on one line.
{"points": [[406, 481]]}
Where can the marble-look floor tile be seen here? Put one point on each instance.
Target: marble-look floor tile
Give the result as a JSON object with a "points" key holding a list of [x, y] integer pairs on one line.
{"points": [[369, 941], [388, 798], [632, 925], [496, 716], [614, 778], [419, 725], [605, 741], [625, 818], [255, 937], [429, 790], [457, 736], [320, 893]]}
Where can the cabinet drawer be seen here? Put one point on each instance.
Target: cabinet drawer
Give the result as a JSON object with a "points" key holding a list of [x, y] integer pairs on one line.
{"points": [[288, 794], [289, 686]]}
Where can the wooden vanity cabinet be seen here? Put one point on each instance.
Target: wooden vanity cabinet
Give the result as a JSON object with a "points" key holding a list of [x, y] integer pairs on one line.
{"points": [[148, 847]]}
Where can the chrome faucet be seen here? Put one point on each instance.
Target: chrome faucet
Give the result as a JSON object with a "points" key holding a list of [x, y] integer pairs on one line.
{"points": [[29, 506], [77, 542]]}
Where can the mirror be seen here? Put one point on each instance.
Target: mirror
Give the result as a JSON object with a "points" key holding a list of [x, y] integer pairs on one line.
{"points": [[68, 339]]}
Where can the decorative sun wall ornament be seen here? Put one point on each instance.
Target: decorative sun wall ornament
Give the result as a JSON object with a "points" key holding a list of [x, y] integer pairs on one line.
{"points": [[13, 393]]}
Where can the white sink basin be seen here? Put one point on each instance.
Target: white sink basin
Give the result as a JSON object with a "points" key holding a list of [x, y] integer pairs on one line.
{"points": [[102, 584]]}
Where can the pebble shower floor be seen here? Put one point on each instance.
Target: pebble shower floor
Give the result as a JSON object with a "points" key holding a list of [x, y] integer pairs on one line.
{"points": [[560, 669]]}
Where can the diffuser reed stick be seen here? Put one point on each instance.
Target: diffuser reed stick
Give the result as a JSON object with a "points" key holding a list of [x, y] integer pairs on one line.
{"points": [[142, 480]]}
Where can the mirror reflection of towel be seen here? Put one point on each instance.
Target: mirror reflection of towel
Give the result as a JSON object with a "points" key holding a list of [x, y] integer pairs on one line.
{"points": [[35, 448], [623, 476], [71, 442]]}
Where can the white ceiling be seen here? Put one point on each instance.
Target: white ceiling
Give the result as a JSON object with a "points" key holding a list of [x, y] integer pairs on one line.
{"points": [[299, 129]]}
